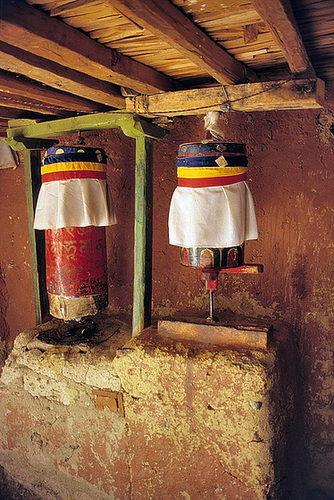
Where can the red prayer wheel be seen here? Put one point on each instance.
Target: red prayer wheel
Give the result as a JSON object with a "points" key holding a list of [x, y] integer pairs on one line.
{"points": [[74, 208], [76, 271]]}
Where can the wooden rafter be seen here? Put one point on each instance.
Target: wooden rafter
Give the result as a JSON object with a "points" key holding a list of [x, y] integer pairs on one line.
{"points": [[9, 84], [264, 96], [278, 16], [14, 113], [57, 76], [32, 30], [18, 102], [169, 24]]}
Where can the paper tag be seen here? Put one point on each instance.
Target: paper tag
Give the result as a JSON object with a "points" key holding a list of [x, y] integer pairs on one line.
{"points": [[221, 161]]}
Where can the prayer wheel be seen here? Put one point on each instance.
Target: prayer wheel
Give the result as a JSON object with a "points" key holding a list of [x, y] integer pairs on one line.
{"points": [[74, 208], [212, 211], [76, 271]]}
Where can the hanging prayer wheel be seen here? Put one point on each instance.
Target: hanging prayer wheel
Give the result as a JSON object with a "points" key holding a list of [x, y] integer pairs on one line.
{"points": [[73, 208], [212, 212]]}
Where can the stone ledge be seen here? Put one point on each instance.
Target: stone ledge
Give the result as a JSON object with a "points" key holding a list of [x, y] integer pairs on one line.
{"points": [[59, 372]]}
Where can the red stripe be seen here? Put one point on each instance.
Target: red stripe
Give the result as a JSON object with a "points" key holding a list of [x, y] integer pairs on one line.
{"points": [[73, 174], [211, 181]]}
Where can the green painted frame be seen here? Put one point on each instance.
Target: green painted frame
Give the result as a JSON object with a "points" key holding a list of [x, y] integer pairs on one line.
{"points": [[27, 135]]}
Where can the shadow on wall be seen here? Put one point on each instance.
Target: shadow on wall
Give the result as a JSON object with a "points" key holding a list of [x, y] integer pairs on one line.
{"points": [[4, 328], [11, 490], [319, 495]]}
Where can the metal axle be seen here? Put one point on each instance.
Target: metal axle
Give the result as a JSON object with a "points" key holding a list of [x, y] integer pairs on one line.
{"points": [[211, 318]]}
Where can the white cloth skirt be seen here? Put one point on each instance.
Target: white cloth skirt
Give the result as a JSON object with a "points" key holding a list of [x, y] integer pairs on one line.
{"points": [[74, 203], [218, 216]]}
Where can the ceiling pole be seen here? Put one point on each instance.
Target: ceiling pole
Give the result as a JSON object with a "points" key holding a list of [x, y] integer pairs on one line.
{"points": [[279, 17], [249, 97], [170, 24], [35, 32]]}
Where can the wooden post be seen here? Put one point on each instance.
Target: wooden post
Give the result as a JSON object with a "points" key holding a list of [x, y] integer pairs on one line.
{"points": [[142, 286], [32, 162]]}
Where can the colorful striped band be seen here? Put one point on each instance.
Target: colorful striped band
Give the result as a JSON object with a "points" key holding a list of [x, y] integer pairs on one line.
{"points": [[203, 172], [211, 161], [211, 181], [75, 174], [73, 170], [75, 165]]}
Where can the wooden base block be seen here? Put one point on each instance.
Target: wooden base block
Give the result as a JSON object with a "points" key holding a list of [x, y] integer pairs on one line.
{"points": [[247, 337]]}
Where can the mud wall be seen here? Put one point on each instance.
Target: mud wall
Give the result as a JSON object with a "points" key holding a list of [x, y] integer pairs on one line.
{"points": [[290, 158], [16, 306]]}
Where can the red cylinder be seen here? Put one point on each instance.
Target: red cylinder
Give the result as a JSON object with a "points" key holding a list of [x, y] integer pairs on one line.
{"points": [[76, 271]]}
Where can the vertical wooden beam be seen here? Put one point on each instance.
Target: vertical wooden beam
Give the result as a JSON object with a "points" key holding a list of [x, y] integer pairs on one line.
{"points": [[142, 286], [32, 161]]}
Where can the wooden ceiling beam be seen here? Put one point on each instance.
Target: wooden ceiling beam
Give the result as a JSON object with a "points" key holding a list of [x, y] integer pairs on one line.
{"points": [[18, 102], [14, 113], [35, 31], [11, 84], [264, 96], [54, 75], [278, 16], [171, 25]]}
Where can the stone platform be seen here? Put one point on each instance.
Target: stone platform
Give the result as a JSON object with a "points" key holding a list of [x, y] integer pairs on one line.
{"points": [[145, 418]]}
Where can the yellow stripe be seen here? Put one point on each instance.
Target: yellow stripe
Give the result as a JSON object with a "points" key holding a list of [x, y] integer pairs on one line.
{"points": [[75, 165], [202, 172]]}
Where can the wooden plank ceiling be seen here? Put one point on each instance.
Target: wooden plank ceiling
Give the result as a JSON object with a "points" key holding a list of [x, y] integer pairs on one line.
{"points": [[64, 57]]}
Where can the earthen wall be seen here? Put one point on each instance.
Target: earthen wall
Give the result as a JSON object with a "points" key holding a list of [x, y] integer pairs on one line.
{"points": [[291, 161]]}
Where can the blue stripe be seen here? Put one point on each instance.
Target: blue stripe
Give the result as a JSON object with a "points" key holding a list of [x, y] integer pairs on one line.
{"points": [[73, 149], [212, 147], [209, 161], [71, 154], [66, 158]]}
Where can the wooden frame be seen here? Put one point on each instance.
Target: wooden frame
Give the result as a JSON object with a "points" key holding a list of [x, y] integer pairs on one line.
{"points": [[55, 75], [10, 84], [20, 131]]}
